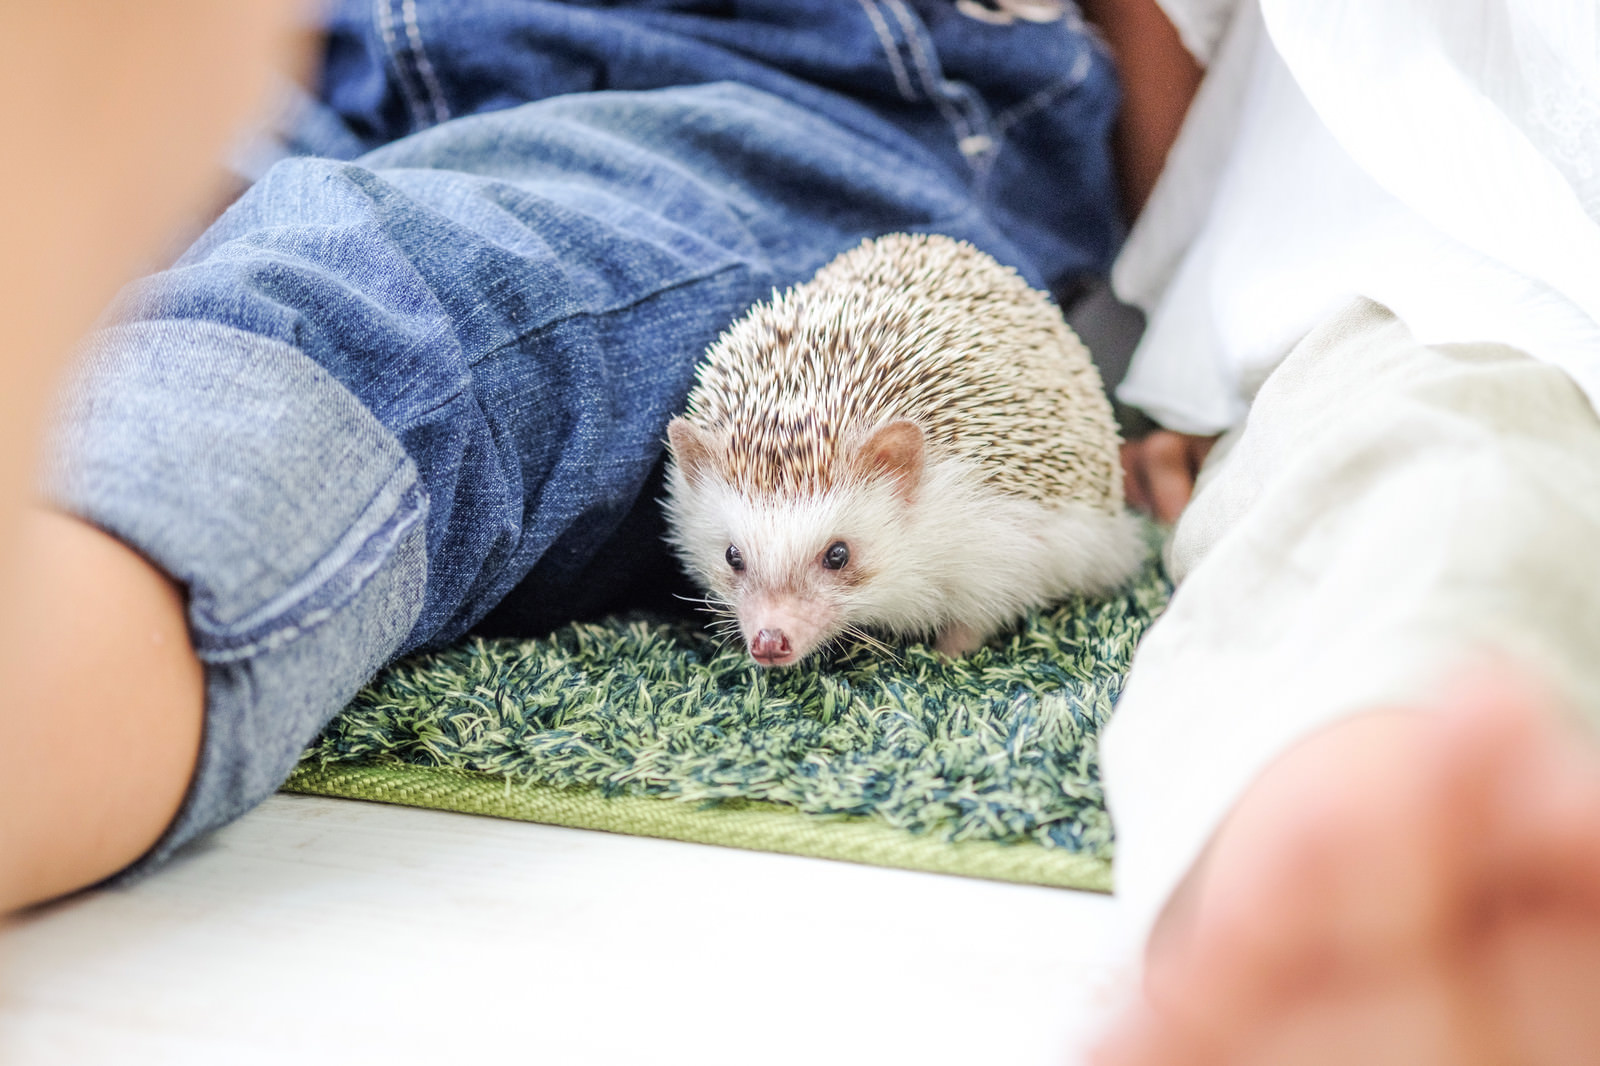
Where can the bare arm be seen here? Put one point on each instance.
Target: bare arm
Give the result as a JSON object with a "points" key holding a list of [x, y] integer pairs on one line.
{"points": [[1159, 78], [102, 709]]}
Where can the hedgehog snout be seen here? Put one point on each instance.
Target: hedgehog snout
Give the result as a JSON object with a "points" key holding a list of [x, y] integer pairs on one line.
{"points": [[782, 629], [770, 647]]}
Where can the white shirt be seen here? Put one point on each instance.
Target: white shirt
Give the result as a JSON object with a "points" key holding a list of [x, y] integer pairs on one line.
{"points": [[1441, 157]]}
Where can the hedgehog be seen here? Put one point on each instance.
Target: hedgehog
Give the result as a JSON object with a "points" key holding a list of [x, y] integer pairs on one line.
{"points": [[913, 443]]}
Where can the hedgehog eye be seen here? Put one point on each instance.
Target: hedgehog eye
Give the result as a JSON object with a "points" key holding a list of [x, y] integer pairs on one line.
{"points": [[836, 556], [735, 559]]}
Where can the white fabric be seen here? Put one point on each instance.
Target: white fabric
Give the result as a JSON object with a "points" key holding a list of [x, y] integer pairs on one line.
{"points": [[1200, 23], [1387, 512], [1439, 156]]}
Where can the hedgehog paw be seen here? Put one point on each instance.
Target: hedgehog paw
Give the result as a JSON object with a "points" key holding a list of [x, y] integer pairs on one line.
{"points": [[957, 639]]}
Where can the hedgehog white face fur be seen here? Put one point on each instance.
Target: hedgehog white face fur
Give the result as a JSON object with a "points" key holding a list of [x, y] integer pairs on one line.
{"points": [[913, 442], [796, 570]]}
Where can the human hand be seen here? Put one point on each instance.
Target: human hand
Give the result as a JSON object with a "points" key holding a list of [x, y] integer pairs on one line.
{"points": [[1159, 471]]}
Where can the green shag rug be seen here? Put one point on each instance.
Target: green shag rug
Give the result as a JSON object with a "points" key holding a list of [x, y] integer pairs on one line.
{"points": [[984, 766]]}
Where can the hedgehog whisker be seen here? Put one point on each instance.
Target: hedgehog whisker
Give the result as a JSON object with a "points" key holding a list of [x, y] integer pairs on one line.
{"points": [[725, 626], [727, 638], [861, 635], [708, 604]]}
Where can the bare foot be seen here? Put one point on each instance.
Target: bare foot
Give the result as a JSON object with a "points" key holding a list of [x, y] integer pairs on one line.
{"points": [[1409, 887]]}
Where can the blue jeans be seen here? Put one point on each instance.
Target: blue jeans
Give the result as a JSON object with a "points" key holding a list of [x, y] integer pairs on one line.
{"points": [[387, 398]]}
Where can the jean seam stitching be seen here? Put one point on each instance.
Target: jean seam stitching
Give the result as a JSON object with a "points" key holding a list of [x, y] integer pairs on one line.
{"points": [[931, 82], [1008, 118], [426, 73], [891, 50], [276, 632], [626, 305], [383, 16], [966, 122]]}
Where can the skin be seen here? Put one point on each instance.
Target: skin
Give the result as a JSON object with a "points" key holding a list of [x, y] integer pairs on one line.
{"points": [[121, 112], [1159, 472], [1159, 78], [102, 709], [1418, 886]]}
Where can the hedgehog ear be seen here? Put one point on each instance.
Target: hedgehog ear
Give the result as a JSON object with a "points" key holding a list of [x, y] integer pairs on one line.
{"points": [[895, 449], [691, 447]]}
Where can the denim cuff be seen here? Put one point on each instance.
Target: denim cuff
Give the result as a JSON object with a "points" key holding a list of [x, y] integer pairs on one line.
{"points": [[291, 517]]}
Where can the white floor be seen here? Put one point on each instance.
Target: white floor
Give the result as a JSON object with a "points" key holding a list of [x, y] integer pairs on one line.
{"points": [[329, 931]]}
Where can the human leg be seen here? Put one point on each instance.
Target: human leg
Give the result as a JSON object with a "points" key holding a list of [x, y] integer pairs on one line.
{"points": [[1388, 514], [378, 399], [333, 465], [1019, 114]]}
